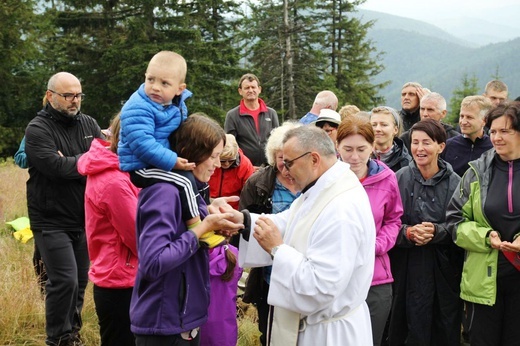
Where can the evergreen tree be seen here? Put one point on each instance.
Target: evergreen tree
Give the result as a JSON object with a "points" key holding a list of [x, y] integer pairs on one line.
{"points": [[22, 76], [108, 44], [353, 58], [312, 46], [20, 72], [468, 87]]}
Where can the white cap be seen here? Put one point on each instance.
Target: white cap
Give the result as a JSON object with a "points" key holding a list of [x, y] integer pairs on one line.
{"points": [[328, 115]]}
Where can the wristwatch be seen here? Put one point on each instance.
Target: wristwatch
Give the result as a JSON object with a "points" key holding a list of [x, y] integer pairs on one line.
{"points": [[273, 251]]}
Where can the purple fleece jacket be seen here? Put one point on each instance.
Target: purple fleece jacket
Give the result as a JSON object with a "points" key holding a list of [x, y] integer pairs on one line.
{"points": [[171, 292]]}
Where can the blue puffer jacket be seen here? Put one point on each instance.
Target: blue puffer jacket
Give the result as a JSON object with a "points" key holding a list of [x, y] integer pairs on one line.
{"points": [[145, 128]]}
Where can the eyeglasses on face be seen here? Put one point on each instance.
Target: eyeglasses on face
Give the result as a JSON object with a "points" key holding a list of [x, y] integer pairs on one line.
{"points": [[229, 162], [69, 96], [290, 163], [330, 130]]}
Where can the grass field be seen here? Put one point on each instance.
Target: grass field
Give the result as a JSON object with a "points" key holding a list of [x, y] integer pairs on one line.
{"points": [[22, 313]]}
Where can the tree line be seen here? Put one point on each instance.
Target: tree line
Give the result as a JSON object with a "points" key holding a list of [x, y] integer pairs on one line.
{"points": [[296, 47]]}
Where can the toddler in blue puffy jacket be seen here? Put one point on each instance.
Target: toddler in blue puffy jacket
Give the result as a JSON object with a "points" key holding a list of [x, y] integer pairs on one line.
{"points": [[148, 122]]}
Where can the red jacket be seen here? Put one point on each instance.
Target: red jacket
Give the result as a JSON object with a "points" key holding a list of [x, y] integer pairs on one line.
{"points": [[229, 182], [110, 209]]}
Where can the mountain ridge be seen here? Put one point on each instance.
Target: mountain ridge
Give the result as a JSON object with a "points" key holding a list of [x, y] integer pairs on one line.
{"points": [[421, 52]]}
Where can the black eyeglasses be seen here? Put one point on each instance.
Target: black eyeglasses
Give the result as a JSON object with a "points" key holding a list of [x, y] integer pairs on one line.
{"points": [[290, 163], [69, 96]]}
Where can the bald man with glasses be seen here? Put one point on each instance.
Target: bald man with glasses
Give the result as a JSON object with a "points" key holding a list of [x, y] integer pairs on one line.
{"points": [[55, 139]]}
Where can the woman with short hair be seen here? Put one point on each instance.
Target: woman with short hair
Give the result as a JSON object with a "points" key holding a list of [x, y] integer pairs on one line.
{"points": [[426, 264], [388, 147], [484, 216]]}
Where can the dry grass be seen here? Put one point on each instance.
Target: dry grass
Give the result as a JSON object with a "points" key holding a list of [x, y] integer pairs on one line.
{"points": [[22, 313]]}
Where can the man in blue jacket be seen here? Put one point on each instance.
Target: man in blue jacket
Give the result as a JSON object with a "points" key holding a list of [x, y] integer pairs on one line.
{"points": [[472, 141]]}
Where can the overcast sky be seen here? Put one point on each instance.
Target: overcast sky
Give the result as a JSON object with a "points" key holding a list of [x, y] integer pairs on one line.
{"points": [[437, 9]]}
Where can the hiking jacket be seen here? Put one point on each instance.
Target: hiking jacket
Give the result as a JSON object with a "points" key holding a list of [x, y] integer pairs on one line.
{"points": [[460, 150], [171, 292], [55, 189], [257, 194], [221, 329], [145, 129], [399, 157], [110, 208], [426, 277], [230, 181], [385, 200], [242, 126], [470, 229]]}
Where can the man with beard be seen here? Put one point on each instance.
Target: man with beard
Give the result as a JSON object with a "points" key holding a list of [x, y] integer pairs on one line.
{"points": [[55, 139]]}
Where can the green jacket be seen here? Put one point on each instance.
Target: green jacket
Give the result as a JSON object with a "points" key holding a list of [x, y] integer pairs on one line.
{"points": [[470, 230]]}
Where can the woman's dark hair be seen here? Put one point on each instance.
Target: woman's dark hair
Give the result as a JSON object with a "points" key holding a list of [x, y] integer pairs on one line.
{"points": [[433, 128], [510, 109], [197, 137]]}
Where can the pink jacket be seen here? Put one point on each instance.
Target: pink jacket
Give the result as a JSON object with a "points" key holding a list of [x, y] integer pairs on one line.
{"points": [[110, 209], [385, 200]]}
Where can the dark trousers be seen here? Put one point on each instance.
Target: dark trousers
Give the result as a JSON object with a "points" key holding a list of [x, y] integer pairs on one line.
{"points": [[66, 261], [39, 269], [379, 301], [113, 311], [497, 325], [165, 340]]}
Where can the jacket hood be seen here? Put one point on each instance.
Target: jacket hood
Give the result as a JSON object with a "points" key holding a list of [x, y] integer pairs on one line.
{"points": [[97, 159], [237, 161], [445, 170], [484, 162], [377, 171], [217, 260]]}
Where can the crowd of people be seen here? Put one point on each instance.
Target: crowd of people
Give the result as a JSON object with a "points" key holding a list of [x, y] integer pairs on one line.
{"points": [[377, 227]]}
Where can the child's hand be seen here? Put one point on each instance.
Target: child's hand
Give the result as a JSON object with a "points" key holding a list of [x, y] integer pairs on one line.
{"points": [[184, 165]]}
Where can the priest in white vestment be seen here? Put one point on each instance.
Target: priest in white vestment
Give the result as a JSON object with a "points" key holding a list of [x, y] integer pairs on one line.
{"points": [[321, 249]]}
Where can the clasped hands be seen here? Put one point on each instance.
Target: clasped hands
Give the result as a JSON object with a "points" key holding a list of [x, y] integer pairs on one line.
{"points": [[422, 233], [497, 243], [266, 232]]}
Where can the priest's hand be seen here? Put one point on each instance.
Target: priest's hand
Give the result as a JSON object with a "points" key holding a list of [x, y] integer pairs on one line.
{"points": [[267, 234]]}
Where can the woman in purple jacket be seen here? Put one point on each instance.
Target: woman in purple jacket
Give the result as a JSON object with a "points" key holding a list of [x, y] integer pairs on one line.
{"points": [[355, 141], [171, 294]]}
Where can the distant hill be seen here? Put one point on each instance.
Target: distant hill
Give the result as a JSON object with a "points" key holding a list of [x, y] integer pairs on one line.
{"points": [[417, 51], [478, 31]]}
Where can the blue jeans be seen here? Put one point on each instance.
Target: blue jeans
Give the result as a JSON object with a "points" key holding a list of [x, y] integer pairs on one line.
{"points": [[65, 255]]}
